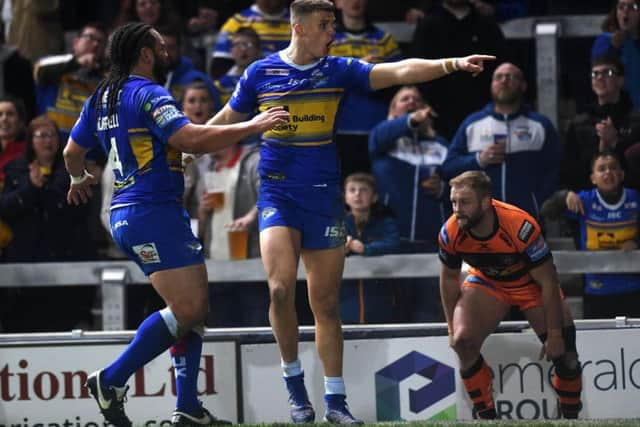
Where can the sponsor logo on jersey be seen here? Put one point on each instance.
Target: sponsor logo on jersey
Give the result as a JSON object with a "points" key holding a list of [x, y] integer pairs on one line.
{"points": [[147, 253], [526, 230], [276, 72], [523, 133], [538, 249], [164, 114]]}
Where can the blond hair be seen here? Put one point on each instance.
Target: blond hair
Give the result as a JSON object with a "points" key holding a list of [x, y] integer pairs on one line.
{"points": [[478, 181]]}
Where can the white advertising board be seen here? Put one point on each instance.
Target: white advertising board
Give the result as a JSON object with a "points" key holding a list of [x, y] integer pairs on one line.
{"points": [[265, 396], [44, 385], [610, 382], [417, 378]]}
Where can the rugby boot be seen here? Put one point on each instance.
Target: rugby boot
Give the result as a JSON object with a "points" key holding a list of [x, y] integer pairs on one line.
{"points": [[110, 400], [338, 410], [301, 409]]}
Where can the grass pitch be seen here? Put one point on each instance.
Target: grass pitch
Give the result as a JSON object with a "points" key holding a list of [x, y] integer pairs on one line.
{"points": [[513, 423]]}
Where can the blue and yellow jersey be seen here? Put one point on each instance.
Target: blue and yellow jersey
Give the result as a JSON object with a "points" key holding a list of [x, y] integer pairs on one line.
{"points": [[301, 152], [274, 31], [371, 42], [225, 86], [63, 101], [362, 112], [146, 168], [607, 226]]}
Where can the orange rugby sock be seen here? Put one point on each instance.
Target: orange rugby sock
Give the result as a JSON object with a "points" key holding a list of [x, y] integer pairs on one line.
{"points": [[478, 383]]}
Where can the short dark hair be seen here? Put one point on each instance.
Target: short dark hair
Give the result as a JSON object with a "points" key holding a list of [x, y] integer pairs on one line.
{"points": [[250, 33], [302, 8], [602, 154], [95, 25], [196, 85], [478, 181], [171, 31], [609, 60], [18, 104]]}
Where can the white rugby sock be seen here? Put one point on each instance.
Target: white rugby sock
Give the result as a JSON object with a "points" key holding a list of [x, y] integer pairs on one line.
{"points": [[291, 369], [334, 385]]}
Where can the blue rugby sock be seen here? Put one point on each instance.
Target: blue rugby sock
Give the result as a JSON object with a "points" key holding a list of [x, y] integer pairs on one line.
{"points": [[152, 338], [185, 356]]}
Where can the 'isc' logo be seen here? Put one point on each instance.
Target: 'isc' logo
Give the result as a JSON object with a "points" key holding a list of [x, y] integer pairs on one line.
{"points": [[334, 231]]}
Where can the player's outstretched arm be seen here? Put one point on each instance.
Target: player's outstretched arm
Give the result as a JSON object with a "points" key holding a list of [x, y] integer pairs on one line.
{"points": [[197, 139], [81, 180], [414, 70], [545, 275], [227, 116], [449, 292]]}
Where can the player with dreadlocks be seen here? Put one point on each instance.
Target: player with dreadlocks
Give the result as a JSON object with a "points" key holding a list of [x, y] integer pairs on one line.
{"points": [[139, 124]]}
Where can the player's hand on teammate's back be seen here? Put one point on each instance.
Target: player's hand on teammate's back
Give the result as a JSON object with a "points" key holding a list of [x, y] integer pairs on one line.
{"points": [[268, 119], [473, 63], [80, 193]]}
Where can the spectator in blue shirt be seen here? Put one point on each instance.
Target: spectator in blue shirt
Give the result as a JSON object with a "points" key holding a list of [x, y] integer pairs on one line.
{"points": [[371, 230]]}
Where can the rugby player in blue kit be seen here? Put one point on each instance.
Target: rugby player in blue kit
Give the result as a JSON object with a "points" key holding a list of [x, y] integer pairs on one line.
{"points": [[301, 210], [140, 125]]}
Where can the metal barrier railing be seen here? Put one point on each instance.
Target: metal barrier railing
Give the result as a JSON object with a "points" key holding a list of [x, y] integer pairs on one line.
{"points": [[265, 334], [113, 276]]}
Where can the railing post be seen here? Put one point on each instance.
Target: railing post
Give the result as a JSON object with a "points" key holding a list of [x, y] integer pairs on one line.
{"points": [[113, 282], [547, 34]]}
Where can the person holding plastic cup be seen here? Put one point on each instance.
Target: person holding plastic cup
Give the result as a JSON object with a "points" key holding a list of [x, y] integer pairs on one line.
{"points": [[516, 146], [406, 155], [228, 228]]}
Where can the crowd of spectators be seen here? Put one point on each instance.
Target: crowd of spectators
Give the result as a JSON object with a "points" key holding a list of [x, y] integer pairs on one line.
{"points": [[398, 147]]}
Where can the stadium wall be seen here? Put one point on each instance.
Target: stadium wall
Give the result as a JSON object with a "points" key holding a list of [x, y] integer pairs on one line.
{"points": [[392, 374]]}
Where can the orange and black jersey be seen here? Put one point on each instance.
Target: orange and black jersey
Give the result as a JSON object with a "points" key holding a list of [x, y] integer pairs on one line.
{"points": [[506, 256]]}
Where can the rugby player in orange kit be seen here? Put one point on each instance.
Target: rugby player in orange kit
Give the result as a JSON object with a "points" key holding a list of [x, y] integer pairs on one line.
{"points": [[510, 264]]}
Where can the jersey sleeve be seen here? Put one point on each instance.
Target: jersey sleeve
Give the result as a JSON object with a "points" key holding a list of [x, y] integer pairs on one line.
{"points": [[244, 97], [160, 112], [446, 250], [84, 131], [355, 73], [532, 243]]}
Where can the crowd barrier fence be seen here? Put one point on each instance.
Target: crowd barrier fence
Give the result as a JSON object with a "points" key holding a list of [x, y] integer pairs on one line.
{"points": [[113, 276]]}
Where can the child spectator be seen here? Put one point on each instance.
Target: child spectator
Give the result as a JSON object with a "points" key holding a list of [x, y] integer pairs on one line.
{"points": [[608, 220], [371, 230], [245, 48]]}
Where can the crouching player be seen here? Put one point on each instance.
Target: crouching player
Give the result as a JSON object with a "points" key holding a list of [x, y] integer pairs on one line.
{"points": [[511, 264]]}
